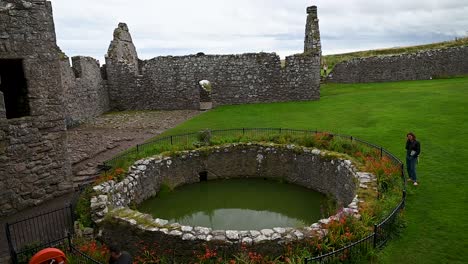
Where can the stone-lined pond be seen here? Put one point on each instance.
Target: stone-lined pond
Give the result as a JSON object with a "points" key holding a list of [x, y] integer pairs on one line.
{"points": [[239, 204]]}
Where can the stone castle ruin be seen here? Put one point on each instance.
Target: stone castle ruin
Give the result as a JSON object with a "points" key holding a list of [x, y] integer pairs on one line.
{"points": [[41, 93], [173, 82], [33, 157]]}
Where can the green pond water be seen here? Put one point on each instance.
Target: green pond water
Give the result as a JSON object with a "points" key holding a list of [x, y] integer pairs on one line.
{"points": [[239, 204]]}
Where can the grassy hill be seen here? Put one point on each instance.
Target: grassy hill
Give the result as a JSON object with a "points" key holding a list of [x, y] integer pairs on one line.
{"points": [[436, 111], [334, 59]]}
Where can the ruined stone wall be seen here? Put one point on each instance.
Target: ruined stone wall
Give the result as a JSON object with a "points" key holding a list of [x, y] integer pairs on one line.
{"points": [[122, 72], [235, 79], [300, 79], [33, 158], [312, 43], [173, 82], [86, 92], [415, 66]]}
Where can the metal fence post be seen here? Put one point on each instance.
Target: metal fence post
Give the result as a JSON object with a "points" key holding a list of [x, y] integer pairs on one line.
{"points": [[243, 131], [72, 218], [375, 236], [138, 147], [69, 242], [171, 140], [381, 152], [10, 244], [404, 200]]}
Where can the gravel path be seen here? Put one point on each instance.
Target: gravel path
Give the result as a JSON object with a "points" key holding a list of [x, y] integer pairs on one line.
{"points": [[100, 139]]}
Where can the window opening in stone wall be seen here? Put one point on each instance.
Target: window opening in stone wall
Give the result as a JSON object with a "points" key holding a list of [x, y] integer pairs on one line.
{"points": [[206, 89], [14, 87], [203, 176]]}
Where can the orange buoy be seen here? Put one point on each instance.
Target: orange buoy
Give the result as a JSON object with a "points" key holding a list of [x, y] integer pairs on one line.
{"points": [[49, 256]]}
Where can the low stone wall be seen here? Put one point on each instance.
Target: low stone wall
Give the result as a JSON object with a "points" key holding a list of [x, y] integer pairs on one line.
{"points": [[86, 94], [311, 168], [423, 65]]}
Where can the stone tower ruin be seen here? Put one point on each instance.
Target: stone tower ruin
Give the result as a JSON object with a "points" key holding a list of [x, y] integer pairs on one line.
{"points": [[33, 159], [312, 32]]}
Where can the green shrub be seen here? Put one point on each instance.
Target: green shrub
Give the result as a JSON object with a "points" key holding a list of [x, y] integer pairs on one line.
{"points": [[29, 251], [204, 138], [83, 207]]}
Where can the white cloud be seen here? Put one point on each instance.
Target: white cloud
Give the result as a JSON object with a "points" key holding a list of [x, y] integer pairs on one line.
{"points": [[236, 26]]}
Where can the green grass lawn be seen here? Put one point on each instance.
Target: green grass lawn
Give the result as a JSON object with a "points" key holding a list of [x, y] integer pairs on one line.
{"points": [[436, 111]]}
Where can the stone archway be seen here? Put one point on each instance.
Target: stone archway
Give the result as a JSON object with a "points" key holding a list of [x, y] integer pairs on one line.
{"points": [[206, 88]]}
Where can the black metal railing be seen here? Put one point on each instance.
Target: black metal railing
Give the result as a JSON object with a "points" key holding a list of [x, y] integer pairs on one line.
{"points": [[355, 251], [187, 139], [39, 231], [382, 231], [358, 250], [55, 229]]}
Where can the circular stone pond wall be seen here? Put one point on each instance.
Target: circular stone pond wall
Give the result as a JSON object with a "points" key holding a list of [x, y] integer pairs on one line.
{"points": [[315, 169]]}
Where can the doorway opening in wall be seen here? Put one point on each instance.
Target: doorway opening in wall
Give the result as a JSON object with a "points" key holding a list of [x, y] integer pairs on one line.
{"points": [[206, 89], [203, 176], [14, 87]]}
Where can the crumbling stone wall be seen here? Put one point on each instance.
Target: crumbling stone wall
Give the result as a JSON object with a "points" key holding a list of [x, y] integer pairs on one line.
{"points": [[122, 72], [173, 82], [33, 159], [312, 41], [85, 90], [300, 79], [423, 65]]}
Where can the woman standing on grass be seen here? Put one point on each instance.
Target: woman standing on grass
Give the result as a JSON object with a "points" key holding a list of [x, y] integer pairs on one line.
{"points": [[413, 148]]}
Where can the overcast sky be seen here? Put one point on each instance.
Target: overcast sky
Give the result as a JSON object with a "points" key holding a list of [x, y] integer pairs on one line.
{"points": [[180, 27]]}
